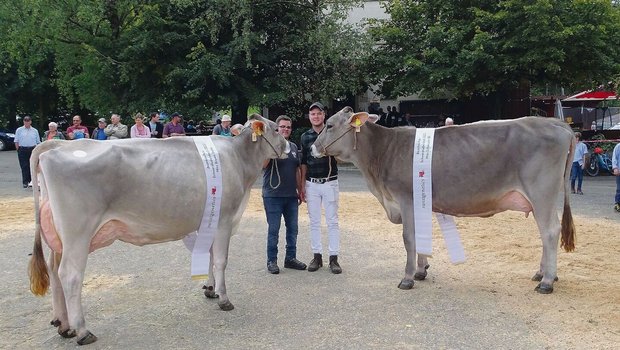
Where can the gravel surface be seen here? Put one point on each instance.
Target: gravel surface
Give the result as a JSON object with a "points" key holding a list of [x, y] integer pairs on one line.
{"points": [[142, 297]]}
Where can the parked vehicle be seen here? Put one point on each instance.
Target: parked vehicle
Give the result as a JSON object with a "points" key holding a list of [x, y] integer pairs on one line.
{"points": [[599, 161], [7, 140]]}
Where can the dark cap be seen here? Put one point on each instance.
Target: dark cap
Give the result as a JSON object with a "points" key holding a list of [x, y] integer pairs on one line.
{"points": [[176, 114], [318, 105]]}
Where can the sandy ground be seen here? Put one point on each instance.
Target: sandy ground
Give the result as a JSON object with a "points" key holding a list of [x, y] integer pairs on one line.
{"points": [[142, 297]]}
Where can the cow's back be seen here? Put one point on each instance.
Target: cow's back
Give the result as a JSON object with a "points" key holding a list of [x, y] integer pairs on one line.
{"points": [[475, 164], [156, 187]]}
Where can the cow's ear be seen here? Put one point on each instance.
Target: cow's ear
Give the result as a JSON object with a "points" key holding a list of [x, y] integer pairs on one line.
{"points": [[358, 119], [258, 128], [373, 118]]}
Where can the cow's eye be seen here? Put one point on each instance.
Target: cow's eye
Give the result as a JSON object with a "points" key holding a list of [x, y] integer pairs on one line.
{"points": [[329, 126]]}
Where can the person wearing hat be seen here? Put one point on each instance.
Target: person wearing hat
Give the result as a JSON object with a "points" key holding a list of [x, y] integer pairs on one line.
{"points": [[116, 129], [99, 132], [320, 188], [224, 128], [26, 138], [175, 127]]}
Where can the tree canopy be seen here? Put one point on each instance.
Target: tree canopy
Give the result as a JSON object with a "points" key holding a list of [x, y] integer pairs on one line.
{"points": [[463, 48], [194, 56]]}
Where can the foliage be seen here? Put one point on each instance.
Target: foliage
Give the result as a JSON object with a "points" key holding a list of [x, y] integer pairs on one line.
{"points": [[464, 48], [194, 56]]}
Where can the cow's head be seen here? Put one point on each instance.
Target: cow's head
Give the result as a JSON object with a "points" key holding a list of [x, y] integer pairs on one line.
{"points": [[338, 138], [265, 131]]}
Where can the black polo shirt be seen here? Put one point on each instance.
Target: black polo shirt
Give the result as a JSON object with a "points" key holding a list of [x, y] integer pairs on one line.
{"points": [[316, 167]]}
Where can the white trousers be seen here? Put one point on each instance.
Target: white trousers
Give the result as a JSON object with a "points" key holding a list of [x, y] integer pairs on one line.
{"points": [[325, 195]]}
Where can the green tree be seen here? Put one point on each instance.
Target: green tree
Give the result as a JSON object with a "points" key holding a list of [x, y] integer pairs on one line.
{"points": [[464, 48]]}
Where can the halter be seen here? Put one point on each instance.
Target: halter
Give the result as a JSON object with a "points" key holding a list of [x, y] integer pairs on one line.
{"points": [[338, 138]]}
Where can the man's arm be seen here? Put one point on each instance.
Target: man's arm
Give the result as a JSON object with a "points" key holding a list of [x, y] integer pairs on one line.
{"points": [[108, 130], [166, 131], [121, 132], [86, 136]]}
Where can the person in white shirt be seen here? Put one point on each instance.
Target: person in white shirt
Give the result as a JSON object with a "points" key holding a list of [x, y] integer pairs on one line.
{"points": [[26, 138], [579, 163]]}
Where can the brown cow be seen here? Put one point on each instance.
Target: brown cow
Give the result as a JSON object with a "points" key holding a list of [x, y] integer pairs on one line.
{"points": [[480, 169]]}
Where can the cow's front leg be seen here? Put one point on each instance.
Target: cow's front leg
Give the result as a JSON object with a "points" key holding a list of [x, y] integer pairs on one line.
{"points": [[420, 271], [220, 259], [59, 308], [71, 274], [409, 241]]}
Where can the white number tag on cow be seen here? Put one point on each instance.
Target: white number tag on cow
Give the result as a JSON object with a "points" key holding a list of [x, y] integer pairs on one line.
{"points": [[200, 242], [423, 202]]}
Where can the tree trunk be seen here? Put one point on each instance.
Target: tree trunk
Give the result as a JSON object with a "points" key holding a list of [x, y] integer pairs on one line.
{"points": [[240, 111]]}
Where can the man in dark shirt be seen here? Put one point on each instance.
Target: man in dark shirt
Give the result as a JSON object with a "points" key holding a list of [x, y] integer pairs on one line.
{"points": [[281, 185], [320, 188]]}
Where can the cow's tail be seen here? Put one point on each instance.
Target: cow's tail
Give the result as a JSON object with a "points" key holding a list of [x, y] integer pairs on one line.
{"points": [[567, 240], [37, 269]]}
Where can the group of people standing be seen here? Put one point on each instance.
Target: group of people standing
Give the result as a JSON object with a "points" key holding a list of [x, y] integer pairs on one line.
{"points": [[302, 178], [579, 164]]}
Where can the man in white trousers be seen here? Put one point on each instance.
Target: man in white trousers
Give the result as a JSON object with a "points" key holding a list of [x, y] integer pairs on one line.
{"points": [[320, 188]]}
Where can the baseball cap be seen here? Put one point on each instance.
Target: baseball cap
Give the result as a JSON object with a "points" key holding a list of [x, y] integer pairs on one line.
{"points": [[176, 114], [101, 120], [318, 105]]}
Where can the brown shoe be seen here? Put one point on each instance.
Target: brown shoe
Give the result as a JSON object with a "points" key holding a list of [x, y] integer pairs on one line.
{"points": [[333, 264], [316, 262]]}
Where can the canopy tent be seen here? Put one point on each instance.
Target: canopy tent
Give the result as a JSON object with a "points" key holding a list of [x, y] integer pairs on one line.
{"points": [[591, 99], [590, 95]]}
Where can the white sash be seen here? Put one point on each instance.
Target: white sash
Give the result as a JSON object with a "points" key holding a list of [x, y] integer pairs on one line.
{"points": [[423, 202], [423, 190], [200, 242]]}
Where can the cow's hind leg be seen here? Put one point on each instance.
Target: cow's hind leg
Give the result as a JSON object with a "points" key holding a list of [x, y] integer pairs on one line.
{"points": [[209, 287], [409, 241], [220, 260], [71, 273], [420, 272], [549, 227], [60, 318]]}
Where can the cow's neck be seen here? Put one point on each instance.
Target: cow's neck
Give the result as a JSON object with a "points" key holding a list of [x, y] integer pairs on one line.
{"points": [[375, 144], [254, 157]]}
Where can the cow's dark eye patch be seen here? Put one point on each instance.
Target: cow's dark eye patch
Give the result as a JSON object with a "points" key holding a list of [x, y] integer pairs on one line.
{"points": [[329, 126]]}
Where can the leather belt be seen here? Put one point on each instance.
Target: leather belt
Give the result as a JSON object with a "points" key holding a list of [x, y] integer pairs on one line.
{"points": [[322, 180]]}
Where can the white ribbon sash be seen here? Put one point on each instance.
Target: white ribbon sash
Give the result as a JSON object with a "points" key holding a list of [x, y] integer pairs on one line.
{"points": [[200, 242], [423, 202], [423, 190]]}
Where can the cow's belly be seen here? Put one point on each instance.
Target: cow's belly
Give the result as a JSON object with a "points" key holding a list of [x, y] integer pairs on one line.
{"points": [[513, 200], [137, 234]]}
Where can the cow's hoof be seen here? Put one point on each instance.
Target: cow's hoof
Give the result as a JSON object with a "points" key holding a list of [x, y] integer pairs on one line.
{"points": [[227, 306], [55, 322], [538, 277], [421, 276], [89, 338], [405, 284], [210, 292], [69, 333], [544, 289]]}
